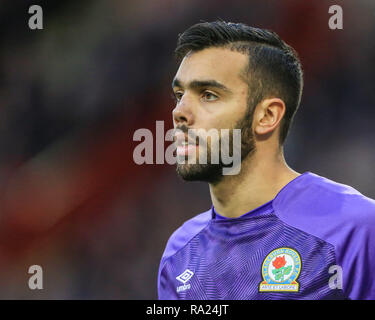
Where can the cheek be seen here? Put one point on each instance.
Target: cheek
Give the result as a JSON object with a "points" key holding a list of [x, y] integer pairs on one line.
{"points": [[224, 115], [230, 117]]}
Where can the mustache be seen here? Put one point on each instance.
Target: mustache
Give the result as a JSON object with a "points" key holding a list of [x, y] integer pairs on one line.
{"points": [[182, 128], [191, 134]]}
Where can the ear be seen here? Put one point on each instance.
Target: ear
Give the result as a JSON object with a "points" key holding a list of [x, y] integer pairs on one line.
{"points": [[268, 115]]}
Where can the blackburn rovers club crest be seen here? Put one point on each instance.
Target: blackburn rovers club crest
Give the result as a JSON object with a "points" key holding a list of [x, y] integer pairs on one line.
{"points": [[280, 270]]}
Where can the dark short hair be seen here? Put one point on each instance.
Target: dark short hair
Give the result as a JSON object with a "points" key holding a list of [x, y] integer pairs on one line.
{"points": [[274, 69]]}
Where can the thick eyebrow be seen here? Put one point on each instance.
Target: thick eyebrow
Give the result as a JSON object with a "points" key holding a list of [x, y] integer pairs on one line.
{"points": [[197, 84]]}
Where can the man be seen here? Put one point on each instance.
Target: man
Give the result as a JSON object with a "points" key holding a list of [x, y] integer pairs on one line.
{"points": [[271, 233]]}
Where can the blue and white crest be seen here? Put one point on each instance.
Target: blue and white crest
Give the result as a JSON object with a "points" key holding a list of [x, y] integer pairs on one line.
{"points": [[280, 270]]}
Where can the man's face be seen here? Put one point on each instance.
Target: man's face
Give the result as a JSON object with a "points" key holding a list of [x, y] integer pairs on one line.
{"points": [[210, 94]]}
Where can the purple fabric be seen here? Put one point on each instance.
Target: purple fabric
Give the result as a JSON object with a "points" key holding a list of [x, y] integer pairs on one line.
{"points": [[326, 223], [265, 207]]}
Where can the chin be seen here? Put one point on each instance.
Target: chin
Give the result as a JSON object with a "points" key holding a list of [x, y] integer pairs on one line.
{"points": [[211, 173]]}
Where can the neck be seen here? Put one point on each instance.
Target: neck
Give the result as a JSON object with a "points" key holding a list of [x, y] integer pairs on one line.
{"points": [[259, 181]]}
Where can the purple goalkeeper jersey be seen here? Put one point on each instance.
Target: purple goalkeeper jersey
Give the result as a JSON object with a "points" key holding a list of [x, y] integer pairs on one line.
{"points": [[314, 240]]}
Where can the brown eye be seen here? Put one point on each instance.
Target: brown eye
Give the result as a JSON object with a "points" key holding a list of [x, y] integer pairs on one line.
{"points": [[178, 95], [209, 96]]}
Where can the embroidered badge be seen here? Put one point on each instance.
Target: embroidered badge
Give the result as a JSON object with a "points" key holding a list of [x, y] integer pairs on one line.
{"points": [[280, 270]]}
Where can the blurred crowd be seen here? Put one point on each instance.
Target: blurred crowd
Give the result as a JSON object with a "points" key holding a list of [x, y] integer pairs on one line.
{"points": [[73, 201]]}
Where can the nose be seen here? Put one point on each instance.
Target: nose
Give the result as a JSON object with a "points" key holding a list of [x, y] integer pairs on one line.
{"points": [[182, 113]]}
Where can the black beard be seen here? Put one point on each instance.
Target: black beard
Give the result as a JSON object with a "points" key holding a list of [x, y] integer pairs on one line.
{"points": [[213, 173]]}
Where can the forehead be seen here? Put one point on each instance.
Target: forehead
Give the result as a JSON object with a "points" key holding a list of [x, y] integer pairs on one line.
{"points": [[220, 64]]}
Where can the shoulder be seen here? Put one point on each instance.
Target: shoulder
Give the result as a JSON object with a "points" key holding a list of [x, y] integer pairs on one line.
{"points": [[181, 237], [185, 233], [312, 197], [340, 215]]}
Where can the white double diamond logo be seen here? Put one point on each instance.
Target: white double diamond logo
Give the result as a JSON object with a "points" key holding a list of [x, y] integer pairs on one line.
{"points": [[185, 276]]}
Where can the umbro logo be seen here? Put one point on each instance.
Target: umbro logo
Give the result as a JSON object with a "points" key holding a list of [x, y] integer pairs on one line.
{"points": [[184, 277]]}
